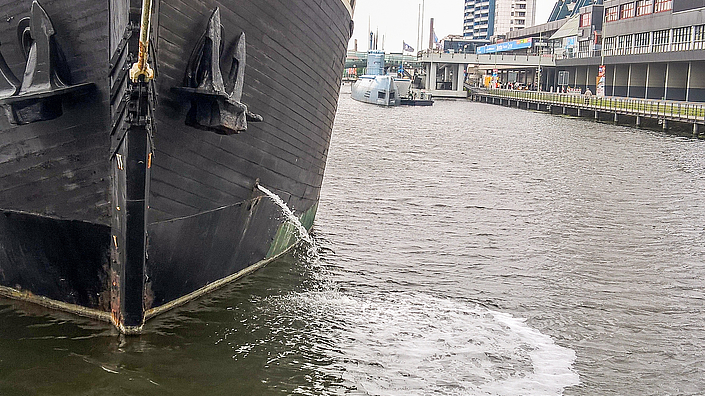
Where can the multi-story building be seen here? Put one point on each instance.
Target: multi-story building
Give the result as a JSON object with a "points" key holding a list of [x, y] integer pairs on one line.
{"points": [[487, 18], [479, 19], [648, 49], [652, 49]]}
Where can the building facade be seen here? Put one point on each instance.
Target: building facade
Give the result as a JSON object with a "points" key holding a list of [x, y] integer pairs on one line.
{"points": [[487, 18], [652, 49]]}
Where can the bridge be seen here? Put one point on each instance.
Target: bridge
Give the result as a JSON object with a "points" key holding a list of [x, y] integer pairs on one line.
{"points": [[490, 61], [445, 72]]}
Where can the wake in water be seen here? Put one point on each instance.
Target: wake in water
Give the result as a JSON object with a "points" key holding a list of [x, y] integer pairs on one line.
{"points": [[413, 344]]}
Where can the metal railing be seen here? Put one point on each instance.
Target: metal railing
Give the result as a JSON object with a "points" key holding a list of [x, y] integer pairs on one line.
{"points": [[675, 110]]}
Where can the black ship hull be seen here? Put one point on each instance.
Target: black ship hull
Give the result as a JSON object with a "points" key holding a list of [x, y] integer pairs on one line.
{"points": [[121, 198]]}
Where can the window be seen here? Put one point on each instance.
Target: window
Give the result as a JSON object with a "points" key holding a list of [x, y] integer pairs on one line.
{"points": [[642, 42], [608, 48], [627, 11], [663, 5], [644, 7], [382, 95], [699, 42], [660, 39], [681, 39], [585, 19], [521, 14], [584, 49], [612, 14], [624, 45], [521, 6]]}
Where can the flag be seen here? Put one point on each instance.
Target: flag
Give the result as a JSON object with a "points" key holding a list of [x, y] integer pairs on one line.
{"points": [[408, 48], [435, 40]]}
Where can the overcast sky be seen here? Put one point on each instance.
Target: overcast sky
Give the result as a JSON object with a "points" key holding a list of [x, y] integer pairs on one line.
{"points": [[397, 20]]}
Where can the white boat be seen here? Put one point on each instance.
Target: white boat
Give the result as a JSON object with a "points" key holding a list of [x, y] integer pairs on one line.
{"points": [[376, 87]]}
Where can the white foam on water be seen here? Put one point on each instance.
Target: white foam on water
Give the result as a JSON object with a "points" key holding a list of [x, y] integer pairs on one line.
{"points": [[418, 344]]}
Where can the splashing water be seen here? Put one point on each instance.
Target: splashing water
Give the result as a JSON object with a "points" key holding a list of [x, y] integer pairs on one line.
{"points": [[300, 229]]}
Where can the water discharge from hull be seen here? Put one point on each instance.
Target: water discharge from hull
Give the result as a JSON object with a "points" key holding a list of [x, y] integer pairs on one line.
{"points": [[302, 233]]}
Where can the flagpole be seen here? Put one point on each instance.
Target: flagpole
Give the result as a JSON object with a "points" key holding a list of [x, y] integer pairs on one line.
{"points": [[423, 12], [418, 22], [369, 32]]}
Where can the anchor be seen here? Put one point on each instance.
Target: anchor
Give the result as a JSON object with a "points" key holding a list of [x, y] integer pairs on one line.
{"points": [[215, 104], [46, 77]]}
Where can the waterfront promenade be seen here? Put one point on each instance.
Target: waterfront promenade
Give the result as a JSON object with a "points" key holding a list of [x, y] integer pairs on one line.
{"points": [[640, 112]]}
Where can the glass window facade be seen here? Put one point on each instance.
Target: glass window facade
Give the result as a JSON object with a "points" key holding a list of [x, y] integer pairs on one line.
{"points": [[624, 45], [699, 37], [663, 5], [612, 14], [626, 11], [644, 7], [585, 19], [660, 39], [642, 43], [681, 38]]}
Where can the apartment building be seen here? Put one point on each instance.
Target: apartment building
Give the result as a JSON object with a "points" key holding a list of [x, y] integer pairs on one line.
{"points": [[485, 19]]}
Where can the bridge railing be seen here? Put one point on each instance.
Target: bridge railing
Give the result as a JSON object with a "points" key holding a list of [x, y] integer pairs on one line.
{"points": [[489, 60], [686, 111]]}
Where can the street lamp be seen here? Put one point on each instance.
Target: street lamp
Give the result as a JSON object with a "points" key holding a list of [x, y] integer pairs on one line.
{"points": [[602, 71]]}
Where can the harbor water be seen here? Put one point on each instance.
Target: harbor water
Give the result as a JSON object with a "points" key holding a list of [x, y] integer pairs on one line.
{"points": [[462, 249]]}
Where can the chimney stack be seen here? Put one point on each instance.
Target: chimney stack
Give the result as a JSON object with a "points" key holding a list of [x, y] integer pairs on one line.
{"points": [[431, 43]]}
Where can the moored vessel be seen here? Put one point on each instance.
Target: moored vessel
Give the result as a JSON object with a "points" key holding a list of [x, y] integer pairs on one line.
{"points": [[376, 86], [130, 163]]}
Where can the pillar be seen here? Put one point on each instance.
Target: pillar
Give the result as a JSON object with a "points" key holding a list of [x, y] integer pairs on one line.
{"points": [[676, 85], [609, 80], [637, 81], [620, 80], [592, 79], [696, 86], [580, 77], [431, 85], [656, 81], [459, 82]]}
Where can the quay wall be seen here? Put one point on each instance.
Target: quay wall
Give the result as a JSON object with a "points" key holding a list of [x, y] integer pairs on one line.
{"points": [[667, 114]]}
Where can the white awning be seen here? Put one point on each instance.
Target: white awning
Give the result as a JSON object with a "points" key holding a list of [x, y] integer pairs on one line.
{"points": [[568, 29]]}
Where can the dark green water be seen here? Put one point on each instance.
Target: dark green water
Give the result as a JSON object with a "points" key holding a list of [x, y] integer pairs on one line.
{"points": [[242, 340]]}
